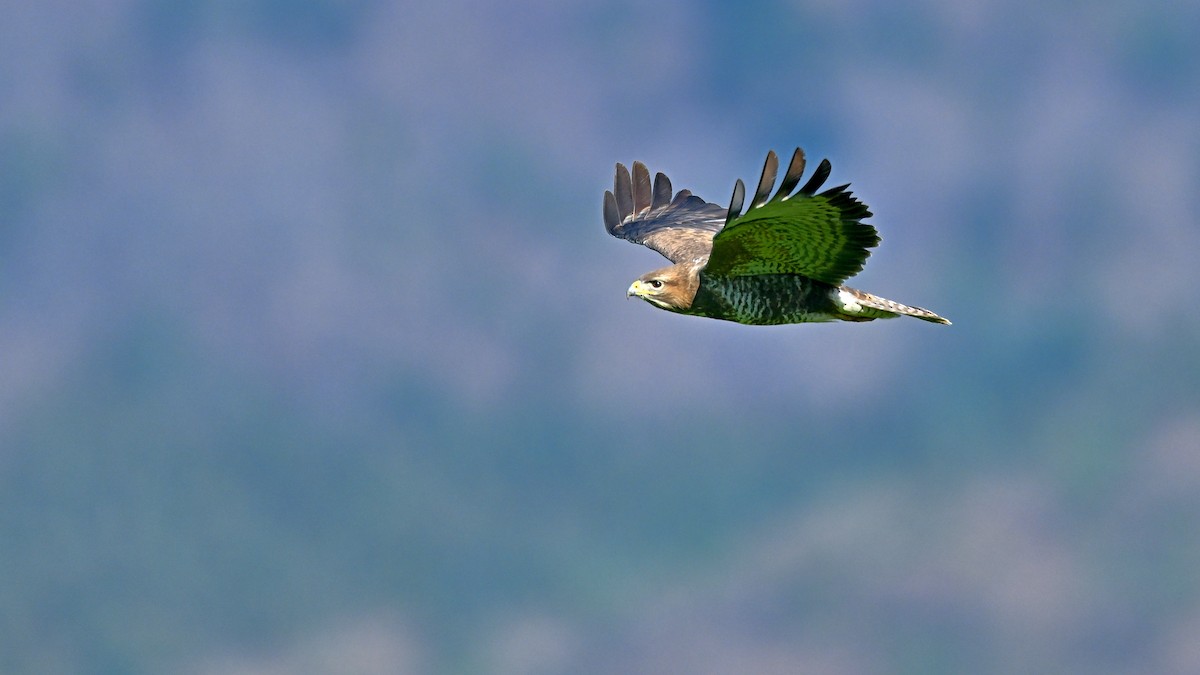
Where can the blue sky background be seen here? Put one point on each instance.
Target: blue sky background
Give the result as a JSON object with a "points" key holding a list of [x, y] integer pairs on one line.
{"points": [[315, 356]]}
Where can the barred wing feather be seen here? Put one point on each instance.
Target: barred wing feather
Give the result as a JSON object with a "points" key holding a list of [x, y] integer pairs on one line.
{"points": [[681, 229], [817, 235]]}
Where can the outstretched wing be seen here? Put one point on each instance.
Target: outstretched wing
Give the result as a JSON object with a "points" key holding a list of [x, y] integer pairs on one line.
{"points": [[818, 235], [681, 228]]}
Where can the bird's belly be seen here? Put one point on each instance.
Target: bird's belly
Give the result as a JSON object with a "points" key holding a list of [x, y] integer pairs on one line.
{"points": [[764, 299]]}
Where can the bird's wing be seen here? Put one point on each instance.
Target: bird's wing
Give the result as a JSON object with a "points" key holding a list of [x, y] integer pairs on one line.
{"points": [[680, 228], [818, 235]]}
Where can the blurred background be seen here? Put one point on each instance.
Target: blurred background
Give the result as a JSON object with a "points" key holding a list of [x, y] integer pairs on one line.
{"points": [[315, 356]]}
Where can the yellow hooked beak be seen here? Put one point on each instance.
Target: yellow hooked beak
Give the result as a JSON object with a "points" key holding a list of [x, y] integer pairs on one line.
{"points": [[638, 289]]}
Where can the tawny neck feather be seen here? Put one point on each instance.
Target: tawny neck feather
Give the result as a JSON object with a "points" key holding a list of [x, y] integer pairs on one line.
{"points": [[680, 283]]}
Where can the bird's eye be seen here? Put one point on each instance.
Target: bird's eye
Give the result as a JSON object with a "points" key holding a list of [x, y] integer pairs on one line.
{"points": [[657, 283]]}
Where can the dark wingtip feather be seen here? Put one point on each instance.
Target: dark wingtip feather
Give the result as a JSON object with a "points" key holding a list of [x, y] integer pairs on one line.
{"points": [[767, 180], [735, 202], [662, 190], [612, 220], [844, 200], [818, 178], [792, 178], [623, 189], [641, 187]]}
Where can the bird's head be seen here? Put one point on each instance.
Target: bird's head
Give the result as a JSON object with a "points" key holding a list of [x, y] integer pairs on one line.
{"points": [[671, 288]]}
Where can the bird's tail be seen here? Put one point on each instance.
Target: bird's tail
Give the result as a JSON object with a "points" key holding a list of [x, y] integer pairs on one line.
{"points": [[859, 305]]}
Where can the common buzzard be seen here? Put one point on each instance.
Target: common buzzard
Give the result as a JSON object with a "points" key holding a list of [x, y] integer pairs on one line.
{"points": [[782, 261]]}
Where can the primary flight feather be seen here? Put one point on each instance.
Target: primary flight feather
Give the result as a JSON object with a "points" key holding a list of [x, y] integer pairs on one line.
{"points": [[783, 260]]}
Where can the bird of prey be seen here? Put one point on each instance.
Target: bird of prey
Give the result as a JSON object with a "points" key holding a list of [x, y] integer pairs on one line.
{"points": [[782, 261]]}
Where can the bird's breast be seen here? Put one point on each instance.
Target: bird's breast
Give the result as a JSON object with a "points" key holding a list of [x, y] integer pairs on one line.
{"points": [[763, 299]]}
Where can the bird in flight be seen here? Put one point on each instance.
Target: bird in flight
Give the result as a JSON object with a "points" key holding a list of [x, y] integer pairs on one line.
{"points": [[782, 261]]}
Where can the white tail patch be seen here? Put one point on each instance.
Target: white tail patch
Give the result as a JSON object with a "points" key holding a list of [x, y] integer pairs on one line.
{"points": [[860, 303], [849, 302]]}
